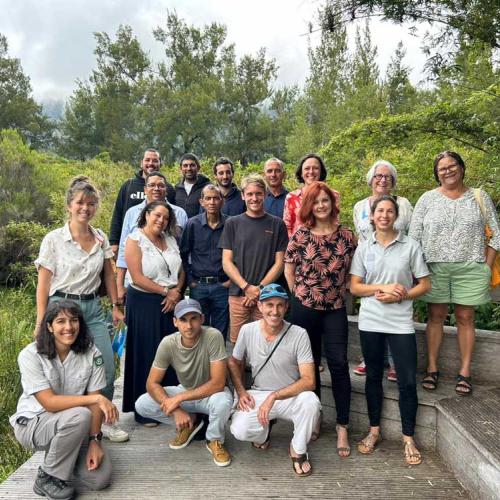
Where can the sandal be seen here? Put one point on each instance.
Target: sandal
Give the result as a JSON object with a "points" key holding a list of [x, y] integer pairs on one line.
{"points": [[430, 381], [411, 453], [300, 460], [464, 386], [367, 445], [265, 445], [342, 449]]}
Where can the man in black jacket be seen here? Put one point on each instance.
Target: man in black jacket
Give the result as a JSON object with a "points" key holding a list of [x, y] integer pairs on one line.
{"points": [[188, 189], [132, 193]]}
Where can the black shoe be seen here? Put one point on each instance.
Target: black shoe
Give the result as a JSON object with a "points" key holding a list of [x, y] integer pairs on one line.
{"points": [[52, 487]]}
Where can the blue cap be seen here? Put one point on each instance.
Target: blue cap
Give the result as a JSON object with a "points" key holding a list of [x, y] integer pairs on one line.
{"points": [[272, 290]]}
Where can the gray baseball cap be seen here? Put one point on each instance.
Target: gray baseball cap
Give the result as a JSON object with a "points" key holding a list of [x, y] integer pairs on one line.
{"points": [[185, 306]]}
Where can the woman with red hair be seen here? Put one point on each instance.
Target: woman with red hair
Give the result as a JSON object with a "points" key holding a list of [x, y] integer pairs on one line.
{"points": [[317, 264]]}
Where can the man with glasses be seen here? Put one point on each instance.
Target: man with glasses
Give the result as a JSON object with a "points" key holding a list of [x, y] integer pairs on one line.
{"points": [[280, 357], [202, 259], [132, 193], [155, 189], [188, 189]]}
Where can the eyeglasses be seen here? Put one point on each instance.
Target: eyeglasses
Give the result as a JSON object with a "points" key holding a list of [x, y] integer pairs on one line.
{"points": [[445, 170], [158, 186], [379, 177]]}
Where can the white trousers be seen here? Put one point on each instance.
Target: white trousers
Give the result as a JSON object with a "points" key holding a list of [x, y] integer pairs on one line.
{"points": [[303, 410]]}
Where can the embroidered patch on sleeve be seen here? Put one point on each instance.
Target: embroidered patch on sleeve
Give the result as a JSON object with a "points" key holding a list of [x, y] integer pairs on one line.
{"points": [[98, 361]]}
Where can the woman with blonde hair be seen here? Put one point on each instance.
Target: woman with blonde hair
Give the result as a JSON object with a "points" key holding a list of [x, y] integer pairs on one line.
{"points": [[72, 262]]}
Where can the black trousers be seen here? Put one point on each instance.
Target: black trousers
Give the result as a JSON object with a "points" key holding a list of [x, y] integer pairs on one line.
{"points": [[404, 352], [328, 329]]}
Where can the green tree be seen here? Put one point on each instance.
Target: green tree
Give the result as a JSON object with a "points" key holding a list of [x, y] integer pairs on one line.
{"points": [[103, 114], [454, 21], [18, 109], [364, 96], [400, 93]]}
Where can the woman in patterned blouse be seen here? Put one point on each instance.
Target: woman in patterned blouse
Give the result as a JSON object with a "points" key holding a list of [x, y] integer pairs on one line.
{"points": [[317, 264], [311, 168], [449, 224]]}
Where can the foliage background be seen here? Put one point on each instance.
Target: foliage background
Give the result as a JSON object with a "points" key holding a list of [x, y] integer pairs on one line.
{"points": [[201, 98]]}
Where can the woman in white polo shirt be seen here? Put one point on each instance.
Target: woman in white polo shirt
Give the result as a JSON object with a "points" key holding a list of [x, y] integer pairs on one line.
{"points": [[382, 273], [61, 408], [69, 266]]}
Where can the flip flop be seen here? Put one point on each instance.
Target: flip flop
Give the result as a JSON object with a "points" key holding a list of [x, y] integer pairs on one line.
{"points": [[407, 450], [300, 460], [368, 444]]}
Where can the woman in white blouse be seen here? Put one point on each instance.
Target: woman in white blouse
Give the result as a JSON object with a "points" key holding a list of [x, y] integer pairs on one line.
{"points": [[382, 178], [69, 266], [156, 280], [449, 224]]}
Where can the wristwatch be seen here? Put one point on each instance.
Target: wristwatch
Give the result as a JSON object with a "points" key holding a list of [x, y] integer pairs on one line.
{"points": [[95, 437]]}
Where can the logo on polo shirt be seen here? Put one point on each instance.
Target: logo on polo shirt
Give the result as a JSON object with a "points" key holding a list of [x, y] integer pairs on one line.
{"points": [[98, 361]]}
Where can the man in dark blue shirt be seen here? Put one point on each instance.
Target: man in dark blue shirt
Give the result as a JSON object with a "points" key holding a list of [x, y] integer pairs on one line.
{"points": [[224, 173], [202, 259], [274, 173]]}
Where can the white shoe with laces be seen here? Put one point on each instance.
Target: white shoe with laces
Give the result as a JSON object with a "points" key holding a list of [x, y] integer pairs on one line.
{"points": [[114, 433]]}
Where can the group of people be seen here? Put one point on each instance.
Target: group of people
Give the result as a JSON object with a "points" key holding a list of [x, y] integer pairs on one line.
{"points": [[267, 268]]}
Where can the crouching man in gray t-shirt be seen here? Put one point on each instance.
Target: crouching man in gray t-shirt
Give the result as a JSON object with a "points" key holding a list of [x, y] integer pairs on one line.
{"points": [[198, 356], [282, 382]]}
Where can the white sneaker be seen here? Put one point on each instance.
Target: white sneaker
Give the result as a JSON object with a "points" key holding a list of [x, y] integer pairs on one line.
{"points": [[114, 433]]}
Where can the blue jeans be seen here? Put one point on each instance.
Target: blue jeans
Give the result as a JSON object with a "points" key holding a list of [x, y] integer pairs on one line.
{"points": [[214, 304], [217, 407]]}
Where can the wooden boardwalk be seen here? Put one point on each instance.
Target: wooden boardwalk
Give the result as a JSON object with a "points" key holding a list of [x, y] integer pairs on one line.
{"points": [[146, 468]]}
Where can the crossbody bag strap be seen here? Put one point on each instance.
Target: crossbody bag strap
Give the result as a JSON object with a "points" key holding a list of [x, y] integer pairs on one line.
{"points": [[271, 353]]}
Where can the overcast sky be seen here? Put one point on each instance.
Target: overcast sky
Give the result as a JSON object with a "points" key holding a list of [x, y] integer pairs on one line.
{"points": [[54, 38]]}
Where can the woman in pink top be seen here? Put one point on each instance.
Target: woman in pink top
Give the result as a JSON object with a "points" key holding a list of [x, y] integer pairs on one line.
{"points": [[311, 168]]}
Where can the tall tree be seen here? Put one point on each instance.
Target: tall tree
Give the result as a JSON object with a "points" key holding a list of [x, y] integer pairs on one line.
{"points": [[18, 109], [400, 93], [364, 97]]}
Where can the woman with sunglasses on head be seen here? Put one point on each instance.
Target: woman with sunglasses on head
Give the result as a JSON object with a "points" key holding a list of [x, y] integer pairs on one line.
{"points": [[156, 280], [61, 408], [382, 274], [317, 264], [449, 224], [73, 261], [381, 178]]}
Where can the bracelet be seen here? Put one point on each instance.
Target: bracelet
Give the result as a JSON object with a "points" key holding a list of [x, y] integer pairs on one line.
{"points": [[116, 304]]}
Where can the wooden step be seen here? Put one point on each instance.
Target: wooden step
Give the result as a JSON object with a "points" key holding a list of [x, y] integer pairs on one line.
{"points": [[468, 440], [425, 431]]}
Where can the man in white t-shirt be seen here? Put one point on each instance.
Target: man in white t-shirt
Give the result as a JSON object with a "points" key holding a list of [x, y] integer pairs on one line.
{"points": [[198, 356], [282, 365]]}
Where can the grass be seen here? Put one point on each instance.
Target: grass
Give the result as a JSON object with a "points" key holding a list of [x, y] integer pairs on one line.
{"points": [[17, 318]]}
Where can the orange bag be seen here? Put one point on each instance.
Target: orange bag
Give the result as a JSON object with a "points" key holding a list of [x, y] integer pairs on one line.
{"points": [[495, 271]]}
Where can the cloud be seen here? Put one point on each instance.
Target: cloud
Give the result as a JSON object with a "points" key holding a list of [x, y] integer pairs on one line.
{"points": [[54, 39]]}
